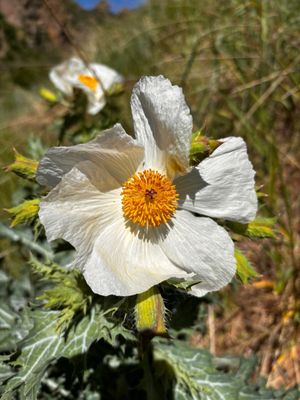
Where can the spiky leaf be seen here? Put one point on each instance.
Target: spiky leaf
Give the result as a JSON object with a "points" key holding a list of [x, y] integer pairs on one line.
{"points": [[13, 327], [5, 370], [44, 345], [194, 374], [70, 295]]}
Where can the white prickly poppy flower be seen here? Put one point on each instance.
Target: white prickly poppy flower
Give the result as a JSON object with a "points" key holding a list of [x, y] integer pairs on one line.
{"points": [[129, 206], [93, 79]]}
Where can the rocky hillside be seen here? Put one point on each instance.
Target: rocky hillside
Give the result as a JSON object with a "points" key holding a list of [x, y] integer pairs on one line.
{"points": [[32, 32], [32, 21]]}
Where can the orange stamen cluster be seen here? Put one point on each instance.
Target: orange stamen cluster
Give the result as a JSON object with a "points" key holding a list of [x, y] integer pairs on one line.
{"points": [[149, 198], [88, 81]]}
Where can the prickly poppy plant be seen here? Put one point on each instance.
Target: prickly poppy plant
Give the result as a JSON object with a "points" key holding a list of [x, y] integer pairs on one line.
{"points": [[93, 79], [136, 212]]}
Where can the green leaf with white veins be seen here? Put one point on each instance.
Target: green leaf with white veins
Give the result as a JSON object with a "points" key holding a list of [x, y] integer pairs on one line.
{"points": [[44, 345], [5, 370], [13, 327], [195, 374]]}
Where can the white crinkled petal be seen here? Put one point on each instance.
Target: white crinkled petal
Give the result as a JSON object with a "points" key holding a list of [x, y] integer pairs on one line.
{"points": [[65, 77], [112, 150], [96, 97], [96, 101], [64, 74], [221, 186], [127, 261], [116, 258], [106, 75], [59, 82], [76, 211], [163, 124], [200, 246]]}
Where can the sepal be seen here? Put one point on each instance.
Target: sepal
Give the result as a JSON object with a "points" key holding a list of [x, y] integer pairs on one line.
{"points": [[258, 228], [244, 268]]}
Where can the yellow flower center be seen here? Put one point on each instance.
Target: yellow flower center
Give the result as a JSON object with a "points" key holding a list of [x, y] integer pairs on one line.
{"points": [[88, 81], [149, 198]]}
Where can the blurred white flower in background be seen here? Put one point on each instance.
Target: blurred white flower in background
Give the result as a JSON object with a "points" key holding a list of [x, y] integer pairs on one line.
{"points": [[129, 206], [94, 79]]}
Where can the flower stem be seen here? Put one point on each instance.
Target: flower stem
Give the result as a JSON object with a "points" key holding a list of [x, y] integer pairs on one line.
{"points": [[150, 313], [150, 322]]}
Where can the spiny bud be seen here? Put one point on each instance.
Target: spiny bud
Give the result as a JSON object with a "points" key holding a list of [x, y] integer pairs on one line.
{"points": [[201, 147], [23, 166], [24, 212]]}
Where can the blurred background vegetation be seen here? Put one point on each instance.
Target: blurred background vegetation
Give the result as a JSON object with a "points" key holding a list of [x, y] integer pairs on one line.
{"points": [[238, 64]]}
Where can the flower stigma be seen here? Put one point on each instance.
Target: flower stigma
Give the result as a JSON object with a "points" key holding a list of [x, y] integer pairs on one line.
{"points": [[88, 81], [149, 198]]}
